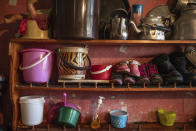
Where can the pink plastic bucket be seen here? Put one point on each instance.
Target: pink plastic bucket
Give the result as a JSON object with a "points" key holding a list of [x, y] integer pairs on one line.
{"points": [[36, 65]]}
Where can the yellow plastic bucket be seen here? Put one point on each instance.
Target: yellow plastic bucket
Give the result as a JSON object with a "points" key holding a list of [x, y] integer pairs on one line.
{"points": [[167, 118]]}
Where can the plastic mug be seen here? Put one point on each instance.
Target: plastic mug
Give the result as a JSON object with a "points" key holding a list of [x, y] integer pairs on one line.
{"points": [[137, 13]]}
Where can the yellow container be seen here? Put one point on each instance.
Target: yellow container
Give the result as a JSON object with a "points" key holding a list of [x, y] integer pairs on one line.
{"points": [[167, 118], [33, 31]]}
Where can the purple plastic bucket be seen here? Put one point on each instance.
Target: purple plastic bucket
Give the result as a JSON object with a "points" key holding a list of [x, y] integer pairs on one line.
{"points": [[36, 65]]}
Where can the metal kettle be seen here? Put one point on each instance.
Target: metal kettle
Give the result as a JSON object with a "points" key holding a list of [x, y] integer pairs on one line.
{"points": [[184, 27], [151, 28], [119, 24], [178, 5]]}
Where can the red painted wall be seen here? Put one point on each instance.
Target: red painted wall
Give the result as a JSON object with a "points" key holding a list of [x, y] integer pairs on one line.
{"points": [[142, 106]]}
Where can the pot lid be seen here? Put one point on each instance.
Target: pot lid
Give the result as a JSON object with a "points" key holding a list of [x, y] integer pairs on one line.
{"points": [[162, 10], [151, 19]]}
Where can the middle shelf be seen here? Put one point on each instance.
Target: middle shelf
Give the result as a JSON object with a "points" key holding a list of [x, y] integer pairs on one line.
{"points": [[102, 85]]}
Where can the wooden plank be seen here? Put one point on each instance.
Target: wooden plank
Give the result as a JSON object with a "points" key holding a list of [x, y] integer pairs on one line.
{"points": [[129, 127], [86, 88], [104, 42], [84, 81], [14, 62]]}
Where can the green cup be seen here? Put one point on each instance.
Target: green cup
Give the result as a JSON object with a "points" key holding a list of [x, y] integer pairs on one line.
{"points": [[68, 116]]}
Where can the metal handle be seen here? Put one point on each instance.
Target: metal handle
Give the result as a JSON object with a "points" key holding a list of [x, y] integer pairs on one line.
{"points": [[162, 28], [156, 27]]}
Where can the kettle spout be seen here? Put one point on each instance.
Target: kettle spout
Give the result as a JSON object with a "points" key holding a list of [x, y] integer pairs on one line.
{"points": [[136, 29]]}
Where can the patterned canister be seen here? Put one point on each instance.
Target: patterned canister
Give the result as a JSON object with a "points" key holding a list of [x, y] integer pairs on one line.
{"points": [[72, 62]]}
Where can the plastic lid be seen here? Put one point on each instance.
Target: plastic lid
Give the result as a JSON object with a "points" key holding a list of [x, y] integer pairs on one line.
{"points": [[31, 99]]}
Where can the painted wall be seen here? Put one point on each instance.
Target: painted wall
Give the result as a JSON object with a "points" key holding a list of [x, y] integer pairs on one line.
{"points": [[142, 106]]}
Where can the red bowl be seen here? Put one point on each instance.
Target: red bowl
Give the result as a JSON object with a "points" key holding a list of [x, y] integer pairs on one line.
{"points": [[100, 72]]}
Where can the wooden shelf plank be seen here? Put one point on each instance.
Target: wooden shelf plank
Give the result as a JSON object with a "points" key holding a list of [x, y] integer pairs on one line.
{"points": [[84, 81], [129, 127], [105, 88], [103, 42]]}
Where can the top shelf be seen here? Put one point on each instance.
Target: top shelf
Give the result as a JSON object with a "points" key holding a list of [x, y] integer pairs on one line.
{"points": [[104, 42]]}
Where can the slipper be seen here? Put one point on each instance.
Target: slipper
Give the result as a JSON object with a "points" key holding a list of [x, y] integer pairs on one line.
{"points": [[116, 78], [121, 67], [155, 77], [134, 68], [129, 79], [144, 78]]}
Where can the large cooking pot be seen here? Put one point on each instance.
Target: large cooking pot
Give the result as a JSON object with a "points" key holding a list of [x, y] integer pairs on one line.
{"points": [[77, 19], [184, 27]]}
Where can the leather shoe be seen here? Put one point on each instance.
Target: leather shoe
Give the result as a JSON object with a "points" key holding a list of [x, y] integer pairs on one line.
{"points": [[166, 69], [178, 59]]}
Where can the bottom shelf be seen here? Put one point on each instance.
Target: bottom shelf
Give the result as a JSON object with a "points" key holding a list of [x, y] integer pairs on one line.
{"points": [[108, 127]]}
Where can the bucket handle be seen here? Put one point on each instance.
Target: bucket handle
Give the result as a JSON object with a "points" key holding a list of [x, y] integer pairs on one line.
{"points": [[101, 71], [34, 64], [79, 68]]}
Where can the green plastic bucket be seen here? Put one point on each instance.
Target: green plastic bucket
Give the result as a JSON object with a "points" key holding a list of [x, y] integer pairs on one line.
{"points": [[68, 116]]}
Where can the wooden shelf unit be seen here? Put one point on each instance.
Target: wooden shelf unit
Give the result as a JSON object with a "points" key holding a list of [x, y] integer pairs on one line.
{"points": [[16, 45]]}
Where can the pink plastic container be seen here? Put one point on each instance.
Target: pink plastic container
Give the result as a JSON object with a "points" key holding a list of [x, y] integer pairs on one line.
{"points": [[36, 65]]}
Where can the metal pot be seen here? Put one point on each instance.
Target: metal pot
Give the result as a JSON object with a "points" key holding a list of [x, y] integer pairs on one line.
{"points": [[119, 24], [152, 28], [77, 19], [184, 27]]}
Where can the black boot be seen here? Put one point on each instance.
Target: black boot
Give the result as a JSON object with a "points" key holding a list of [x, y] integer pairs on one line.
{"points": [[166, 69], [178, 59]]}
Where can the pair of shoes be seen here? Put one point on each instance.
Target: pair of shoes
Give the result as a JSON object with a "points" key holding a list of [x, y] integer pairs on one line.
{"points": [[149, 74], [178, 59], [173, 68], [125, 72], [166, 69]]}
